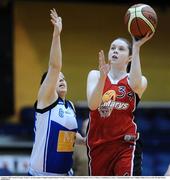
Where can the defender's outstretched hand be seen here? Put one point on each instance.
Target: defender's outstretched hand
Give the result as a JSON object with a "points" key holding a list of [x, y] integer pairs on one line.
{"points": [[56, 21]]}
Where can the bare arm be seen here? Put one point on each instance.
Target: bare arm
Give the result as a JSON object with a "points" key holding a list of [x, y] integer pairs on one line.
{"points": [[137, 82], [95, 83], [47, 93]]}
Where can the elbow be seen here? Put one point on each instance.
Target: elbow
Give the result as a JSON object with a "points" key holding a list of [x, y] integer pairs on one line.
{"points": [[136, 87]]}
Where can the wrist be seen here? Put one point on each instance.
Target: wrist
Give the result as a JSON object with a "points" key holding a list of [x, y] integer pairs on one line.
{"points": [[56, 34], [102, 77], [135, 48]]}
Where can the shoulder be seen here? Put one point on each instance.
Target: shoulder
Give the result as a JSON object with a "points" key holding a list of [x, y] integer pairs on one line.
{"points": [[41, 108], [93, 78], [144, 80], [94, 74]]}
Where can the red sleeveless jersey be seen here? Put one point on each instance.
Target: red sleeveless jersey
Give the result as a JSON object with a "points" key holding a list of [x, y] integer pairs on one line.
{"points": [[114, 118]]}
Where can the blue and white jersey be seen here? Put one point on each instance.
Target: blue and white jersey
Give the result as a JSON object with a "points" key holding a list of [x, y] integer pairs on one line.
{"points": [[55, 133]]}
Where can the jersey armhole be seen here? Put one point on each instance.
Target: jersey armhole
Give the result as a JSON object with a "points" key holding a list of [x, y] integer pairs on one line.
{"points": [[72, 106], [46, 108]]}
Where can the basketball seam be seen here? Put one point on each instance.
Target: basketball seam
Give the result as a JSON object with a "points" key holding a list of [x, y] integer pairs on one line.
{"points": [[137, 23], [145, 17], [147, 21]]}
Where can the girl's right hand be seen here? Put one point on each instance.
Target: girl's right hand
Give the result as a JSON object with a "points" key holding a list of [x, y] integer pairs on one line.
{"points": [[104, 67]]}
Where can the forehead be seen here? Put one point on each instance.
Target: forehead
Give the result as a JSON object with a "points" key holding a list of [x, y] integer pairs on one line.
{"points": [[119, 42]]}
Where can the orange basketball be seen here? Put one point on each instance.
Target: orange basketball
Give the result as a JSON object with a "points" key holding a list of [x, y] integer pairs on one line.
{"points": [[140, 19]]}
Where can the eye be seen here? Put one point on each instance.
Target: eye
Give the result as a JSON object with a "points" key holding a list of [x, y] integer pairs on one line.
{"points": [[121, 48], [112, 48]]}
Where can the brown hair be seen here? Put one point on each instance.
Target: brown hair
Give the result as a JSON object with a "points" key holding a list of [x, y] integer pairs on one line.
{"points": [[128, 43]]}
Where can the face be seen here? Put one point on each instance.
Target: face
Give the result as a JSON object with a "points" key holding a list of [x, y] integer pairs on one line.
{"points": [[119, 52], [61, 86]]}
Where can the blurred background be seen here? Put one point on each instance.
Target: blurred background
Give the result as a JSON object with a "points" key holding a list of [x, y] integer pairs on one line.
{"points": [[88, 26]]}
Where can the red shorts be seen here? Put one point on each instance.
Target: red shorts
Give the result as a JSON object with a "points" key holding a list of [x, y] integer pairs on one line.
{"points": [[116, 159]]}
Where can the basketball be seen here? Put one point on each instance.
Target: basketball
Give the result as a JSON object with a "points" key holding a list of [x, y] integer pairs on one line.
{"points": [[140, 19]]}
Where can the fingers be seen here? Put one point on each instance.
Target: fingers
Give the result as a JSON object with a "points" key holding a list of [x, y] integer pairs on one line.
{"points": [[143, 40], [52, 16], [55, 19], [149, 35], [104, 67], [101, 58], [54, 13]]}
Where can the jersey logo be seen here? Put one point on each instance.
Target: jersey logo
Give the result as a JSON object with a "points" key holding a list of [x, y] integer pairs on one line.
{"points": [[108, 95], [122, 92], [105, 109], [61, 113], [109, 102], [66, 140]]}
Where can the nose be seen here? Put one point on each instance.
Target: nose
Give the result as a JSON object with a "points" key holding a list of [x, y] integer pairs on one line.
{"points": [[115, 51]]}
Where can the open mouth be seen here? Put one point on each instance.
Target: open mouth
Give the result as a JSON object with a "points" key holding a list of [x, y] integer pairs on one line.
{"points": [[114, 57], [61, 85]]}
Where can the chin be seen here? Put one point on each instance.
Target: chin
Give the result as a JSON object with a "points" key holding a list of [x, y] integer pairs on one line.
{"points": [[62, 93]]}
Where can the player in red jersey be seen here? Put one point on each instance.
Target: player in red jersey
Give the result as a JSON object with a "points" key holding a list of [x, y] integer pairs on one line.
{"points": [[113, 95]]}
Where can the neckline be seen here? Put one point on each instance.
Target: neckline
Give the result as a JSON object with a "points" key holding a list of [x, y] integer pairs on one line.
{"points": [[116, 81], [64, 101]]}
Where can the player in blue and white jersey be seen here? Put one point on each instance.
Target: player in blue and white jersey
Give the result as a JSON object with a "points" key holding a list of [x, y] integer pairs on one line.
{"points": [[55, 120]]}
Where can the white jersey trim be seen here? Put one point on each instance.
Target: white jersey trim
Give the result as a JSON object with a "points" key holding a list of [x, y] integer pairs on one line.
{"points": [[116, 81]]}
